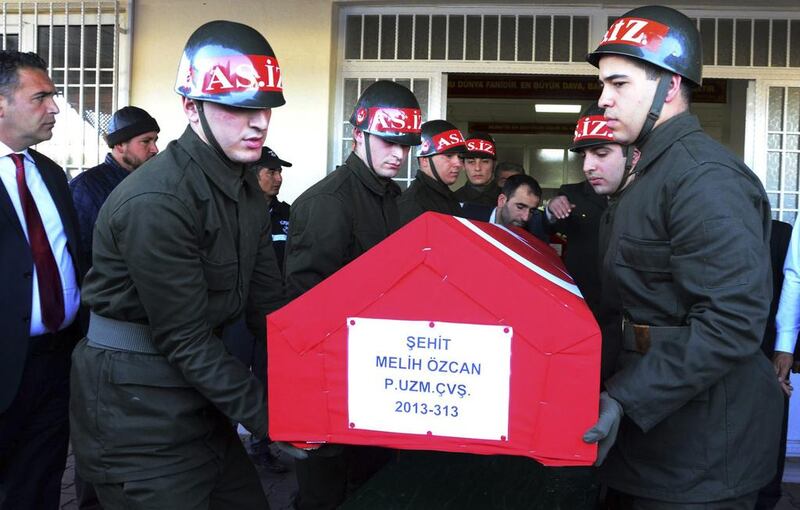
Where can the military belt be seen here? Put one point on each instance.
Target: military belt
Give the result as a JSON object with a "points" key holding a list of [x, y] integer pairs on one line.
{"points": [[638, 337], [120, 335]]}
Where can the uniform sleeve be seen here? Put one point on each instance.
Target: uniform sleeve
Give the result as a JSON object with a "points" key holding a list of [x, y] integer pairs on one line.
{"points": [[320, 234], [787, 321], [157, 238], [266, 285], [408, 209], [719, 263]]}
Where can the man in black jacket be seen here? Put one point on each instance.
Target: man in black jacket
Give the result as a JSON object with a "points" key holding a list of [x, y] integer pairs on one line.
{"points": [[687, 260], [333, 222], [440, 164]]}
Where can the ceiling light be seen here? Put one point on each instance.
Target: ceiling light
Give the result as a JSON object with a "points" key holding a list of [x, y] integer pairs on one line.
{"points": [[558, 108]]}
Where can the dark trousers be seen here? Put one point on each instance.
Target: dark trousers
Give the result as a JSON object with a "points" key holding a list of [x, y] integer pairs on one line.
{"points": [[326, 479], [34, 430], [770, 494], [224, 483], [620, 501]]}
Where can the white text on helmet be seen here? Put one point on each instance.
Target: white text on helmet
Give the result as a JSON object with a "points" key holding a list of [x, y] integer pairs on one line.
{"points": [[593, 127], [237, 73], [636, 32], [448, 139], [395, 120], [478, 145]]}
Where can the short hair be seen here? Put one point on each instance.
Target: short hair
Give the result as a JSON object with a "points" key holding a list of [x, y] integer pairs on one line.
{"points": [[11, 61], [515, 181], [652, 72], [507, 166]]}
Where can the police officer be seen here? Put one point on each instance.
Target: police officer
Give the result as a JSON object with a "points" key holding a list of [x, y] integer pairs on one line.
{"points": [[182, 247], [687, 258], [132, 136], [440, 164], [333, 222], [479, 161], [269, 172]]}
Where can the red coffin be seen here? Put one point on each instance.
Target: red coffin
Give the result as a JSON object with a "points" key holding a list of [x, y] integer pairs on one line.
{"points": [[519, 374]]}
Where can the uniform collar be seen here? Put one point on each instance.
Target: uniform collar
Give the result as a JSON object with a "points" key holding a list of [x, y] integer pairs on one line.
{"points": [[226, 175], [378, 185], [437, 186], [664, 136]]}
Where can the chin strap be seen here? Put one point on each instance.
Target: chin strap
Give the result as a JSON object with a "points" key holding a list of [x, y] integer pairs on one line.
{"points": [[652, 116], [212, 140], [434, 171], [369, 152]]}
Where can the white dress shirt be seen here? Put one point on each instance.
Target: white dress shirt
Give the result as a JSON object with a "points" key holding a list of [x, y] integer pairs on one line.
{"points": [[787, 320], [55, 235]]}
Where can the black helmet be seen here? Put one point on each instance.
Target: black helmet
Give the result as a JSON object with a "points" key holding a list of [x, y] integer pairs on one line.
{"points": [[480, 145], [441, 137], [660, 35], [128, 122], [232, 64], [389, 111], [591, 129]]}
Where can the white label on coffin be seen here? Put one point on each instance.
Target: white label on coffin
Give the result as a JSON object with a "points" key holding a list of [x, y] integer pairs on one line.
{"points": [[438, 378]]}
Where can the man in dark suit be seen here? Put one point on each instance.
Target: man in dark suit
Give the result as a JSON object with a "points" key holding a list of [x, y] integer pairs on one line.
{"points": [[40, 268]]}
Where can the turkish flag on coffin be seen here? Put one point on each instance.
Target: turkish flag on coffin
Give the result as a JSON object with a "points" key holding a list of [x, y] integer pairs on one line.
{"points": [[449, 335]]}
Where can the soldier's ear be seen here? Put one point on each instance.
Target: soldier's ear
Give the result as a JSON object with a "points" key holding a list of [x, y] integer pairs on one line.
{"points": [[190, 109], [636, 156]]}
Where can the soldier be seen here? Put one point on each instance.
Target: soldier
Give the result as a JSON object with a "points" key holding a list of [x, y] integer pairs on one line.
{"points": [[687, 260], [479, 161], [440, 163], [577, 209], [333, 222], [182, 247]]}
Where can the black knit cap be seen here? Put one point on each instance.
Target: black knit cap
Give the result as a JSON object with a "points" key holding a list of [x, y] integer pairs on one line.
{"points": [[128, 122]]}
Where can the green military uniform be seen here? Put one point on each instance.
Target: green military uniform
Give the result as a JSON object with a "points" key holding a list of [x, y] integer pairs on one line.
{"points": [[336, 220], [688, 255], [181, 247], [485, 195], [427, 194], [333, 222]]}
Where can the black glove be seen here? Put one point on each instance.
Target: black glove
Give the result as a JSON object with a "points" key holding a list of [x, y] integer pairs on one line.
{"points": [[291, 450], [605, 430]]}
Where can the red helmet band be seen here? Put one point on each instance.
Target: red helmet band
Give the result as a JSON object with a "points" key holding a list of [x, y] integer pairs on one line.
{"points": [[480, 145], [593, 127], [639, 32], [448, 140], [390, 120], [233, 73]]}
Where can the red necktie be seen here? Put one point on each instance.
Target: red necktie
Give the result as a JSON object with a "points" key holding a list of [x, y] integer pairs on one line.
{"points": [[51, 294]]}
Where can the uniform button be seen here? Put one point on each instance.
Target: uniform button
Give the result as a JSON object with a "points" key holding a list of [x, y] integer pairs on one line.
{"points": [[26, 319], [28, 274]]}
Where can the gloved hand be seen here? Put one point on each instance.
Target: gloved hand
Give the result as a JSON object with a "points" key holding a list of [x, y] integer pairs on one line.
{"points": [[605, 430], [291, 450]]}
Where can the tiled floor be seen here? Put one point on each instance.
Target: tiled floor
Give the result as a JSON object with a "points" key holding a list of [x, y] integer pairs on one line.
{"points": [[280, 488]]}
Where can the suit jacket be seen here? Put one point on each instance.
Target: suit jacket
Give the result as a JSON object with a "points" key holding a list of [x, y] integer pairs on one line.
{"points": [[480, 212], [16, 275], [779, 238]]}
